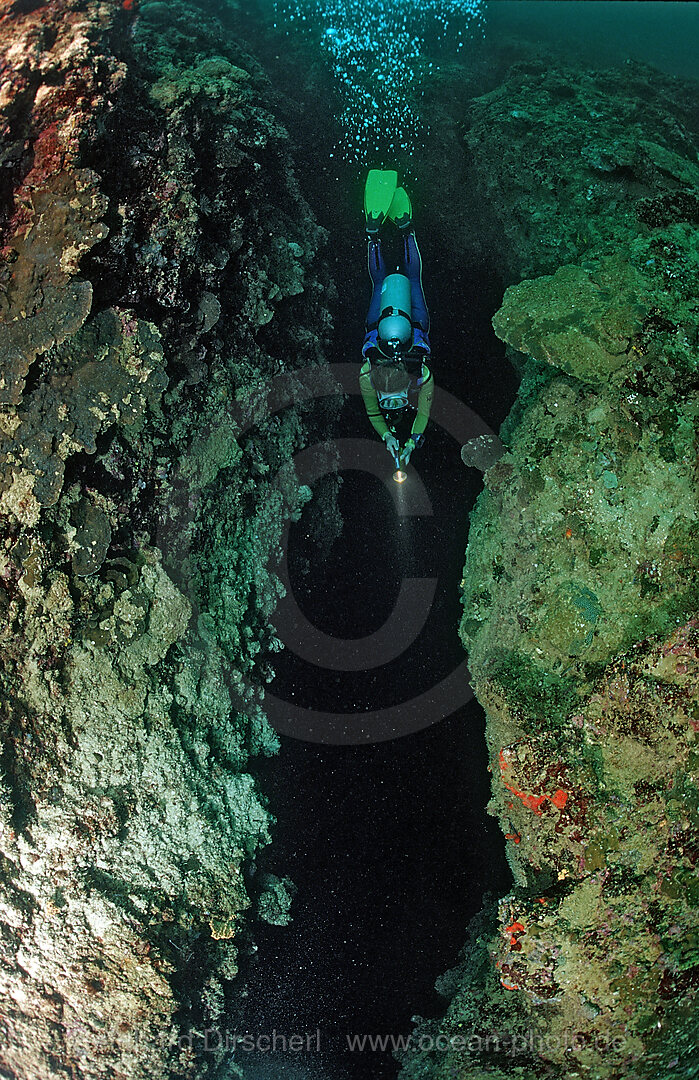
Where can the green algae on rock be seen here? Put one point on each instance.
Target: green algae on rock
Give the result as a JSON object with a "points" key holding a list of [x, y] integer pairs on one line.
{"points": [[605, 321], [580, 590], [587, 320], [584, 567], [569, 160]]}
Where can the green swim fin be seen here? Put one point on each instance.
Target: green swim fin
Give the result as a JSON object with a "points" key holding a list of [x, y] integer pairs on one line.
{"points": [[400, 211], [378, 194]]}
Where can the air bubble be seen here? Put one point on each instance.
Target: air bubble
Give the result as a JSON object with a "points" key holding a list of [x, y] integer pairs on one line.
{"points": [[381, 42]]}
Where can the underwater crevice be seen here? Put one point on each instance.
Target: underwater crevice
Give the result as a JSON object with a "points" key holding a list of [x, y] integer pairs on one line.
{"points": [[376, 867]]}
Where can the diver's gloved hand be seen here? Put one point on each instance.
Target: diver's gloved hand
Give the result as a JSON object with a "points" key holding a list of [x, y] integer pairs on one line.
{"points": [[392, 444], [407, 450]]}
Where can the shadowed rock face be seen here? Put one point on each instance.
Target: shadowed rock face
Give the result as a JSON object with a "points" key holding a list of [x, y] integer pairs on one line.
{"points": [[580, 589], [139, 517], [571, 160]]}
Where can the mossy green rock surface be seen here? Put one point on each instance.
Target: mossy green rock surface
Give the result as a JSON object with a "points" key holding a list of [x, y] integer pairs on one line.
{"points": [[580, 594]]}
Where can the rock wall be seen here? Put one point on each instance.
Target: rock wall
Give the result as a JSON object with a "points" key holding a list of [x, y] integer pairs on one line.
{"points": [[581, 609], [159, 269]]}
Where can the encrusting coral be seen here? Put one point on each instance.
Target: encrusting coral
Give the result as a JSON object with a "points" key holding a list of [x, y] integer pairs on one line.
{"points": [[580, 590], [153, 241]]}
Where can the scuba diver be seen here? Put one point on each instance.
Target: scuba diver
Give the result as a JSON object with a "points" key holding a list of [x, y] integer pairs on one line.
{"points": [[394, 379]]}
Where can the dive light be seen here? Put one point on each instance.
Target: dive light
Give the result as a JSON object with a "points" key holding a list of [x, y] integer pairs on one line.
{"points": [[399, 475]]}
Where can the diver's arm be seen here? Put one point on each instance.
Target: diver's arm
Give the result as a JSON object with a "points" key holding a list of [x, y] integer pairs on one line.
{"points": [[424, 402], [371, 403]]}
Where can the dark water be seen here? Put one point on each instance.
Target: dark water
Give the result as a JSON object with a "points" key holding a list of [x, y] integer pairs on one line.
{"points": [[389, 844]]}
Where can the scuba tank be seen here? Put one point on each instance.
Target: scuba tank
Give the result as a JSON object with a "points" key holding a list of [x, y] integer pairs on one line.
{"points": [[394, 323], [394, 336]]}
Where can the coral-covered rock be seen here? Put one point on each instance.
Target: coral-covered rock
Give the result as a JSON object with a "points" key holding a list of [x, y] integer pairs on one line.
{"points": [[608, 319], [61, 76], [590, 963], [580, 590], [155, 241], [582, 323], [595, 494], [569, 160], [108, 372]]}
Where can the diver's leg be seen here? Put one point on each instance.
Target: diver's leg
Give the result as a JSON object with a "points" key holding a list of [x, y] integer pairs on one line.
{"points": [[377, 273], [412, 268]]}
